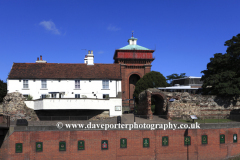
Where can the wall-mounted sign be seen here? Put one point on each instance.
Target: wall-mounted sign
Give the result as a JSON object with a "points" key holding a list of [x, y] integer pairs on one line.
{"points": [[123, 143], [193, 117], [117, 108], [62, 146], [234, 138], [187, 140], [146, 142], [39, 146], [81, 145], [204, 139], [18, 148], [164, 141], [222, 138], [104, 145]]}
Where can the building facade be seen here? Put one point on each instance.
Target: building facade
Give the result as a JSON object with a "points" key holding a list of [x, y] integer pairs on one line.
{"points": [[43, 80], [98, 84], [135, 62]]}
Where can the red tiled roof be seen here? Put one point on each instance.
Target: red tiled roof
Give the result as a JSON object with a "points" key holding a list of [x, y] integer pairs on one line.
{"points": [[64, 71]]}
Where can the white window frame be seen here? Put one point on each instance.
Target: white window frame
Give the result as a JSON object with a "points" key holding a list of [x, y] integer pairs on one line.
{"points": [[77, 84], [105, 84], [43, 95], [43, 86], [25, 83]]}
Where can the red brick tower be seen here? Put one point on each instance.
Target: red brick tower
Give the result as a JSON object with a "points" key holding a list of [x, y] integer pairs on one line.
{"points": [[135, 62]]}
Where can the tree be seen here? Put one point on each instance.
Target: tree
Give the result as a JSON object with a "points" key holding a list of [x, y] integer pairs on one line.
{"points": [[175, 76], [3, 90], [222, 76], [150, 80]]}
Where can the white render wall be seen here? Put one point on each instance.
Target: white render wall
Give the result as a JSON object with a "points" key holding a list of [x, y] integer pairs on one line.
{"points": [[91, 104], [67, 86]]}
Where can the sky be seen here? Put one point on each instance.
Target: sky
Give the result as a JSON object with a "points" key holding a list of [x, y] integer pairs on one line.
{"points": [[185, 34]]}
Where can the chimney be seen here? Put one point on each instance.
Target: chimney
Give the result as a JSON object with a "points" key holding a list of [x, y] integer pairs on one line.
{"points": [[89, 58], [40, 61]]}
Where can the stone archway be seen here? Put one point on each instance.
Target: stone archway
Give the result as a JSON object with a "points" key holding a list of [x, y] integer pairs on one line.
{"points": [[144, 103], [132, 83]]}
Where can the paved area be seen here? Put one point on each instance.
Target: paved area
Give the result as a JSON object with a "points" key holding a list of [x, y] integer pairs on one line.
{"points": [[126, 119], [129, 119]]}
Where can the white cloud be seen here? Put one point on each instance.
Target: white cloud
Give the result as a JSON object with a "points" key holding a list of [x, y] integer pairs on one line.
{"points": [[113, 28], [50, 26]]}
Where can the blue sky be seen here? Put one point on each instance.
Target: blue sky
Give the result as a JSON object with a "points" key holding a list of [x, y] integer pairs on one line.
{"points": [[185, 33]]}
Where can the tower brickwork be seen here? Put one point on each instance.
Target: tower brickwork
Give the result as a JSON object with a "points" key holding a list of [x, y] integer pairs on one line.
{"points": [[135, 62]]}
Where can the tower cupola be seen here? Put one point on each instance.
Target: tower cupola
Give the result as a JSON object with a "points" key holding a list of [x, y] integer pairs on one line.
{"points": [[132, 41]]}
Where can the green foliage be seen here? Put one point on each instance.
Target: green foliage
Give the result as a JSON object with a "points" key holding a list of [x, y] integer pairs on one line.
{"points": [[29, 97], [150, 80], [3, 90], [153, 108], [222, 76], [175, 76]]}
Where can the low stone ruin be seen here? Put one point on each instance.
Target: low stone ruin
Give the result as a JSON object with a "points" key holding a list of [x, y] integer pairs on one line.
{"points": [[13, 105], [186, 104]]}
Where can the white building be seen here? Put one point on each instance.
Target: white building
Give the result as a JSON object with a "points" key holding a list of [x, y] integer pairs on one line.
{"points": [[188, 84], [68, 86]]}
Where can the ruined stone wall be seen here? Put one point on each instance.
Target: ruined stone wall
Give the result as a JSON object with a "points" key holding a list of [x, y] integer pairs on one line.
{"points": [[14, 106], [186, 104], [201, 105]]}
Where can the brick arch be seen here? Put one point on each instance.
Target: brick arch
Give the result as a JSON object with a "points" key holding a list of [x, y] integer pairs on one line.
{"points": [[129, 75], [144, 106], [131, 83]]}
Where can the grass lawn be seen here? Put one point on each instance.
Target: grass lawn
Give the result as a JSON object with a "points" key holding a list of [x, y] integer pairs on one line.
{"points": [[207, 121]]}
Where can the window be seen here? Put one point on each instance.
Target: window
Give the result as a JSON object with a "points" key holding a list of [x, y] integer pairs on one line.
{"points": [[43, 96], [44, 83], [105, 84], [25, 96], [25, 83], [77, 84], [105, 96], [54, 95], [77, 95]]}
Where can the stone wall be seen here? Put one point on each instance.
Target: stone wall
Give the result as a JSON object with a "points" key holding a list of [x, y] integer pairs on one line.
{"points": [[14, 106], [201, 105], [186, 104]]}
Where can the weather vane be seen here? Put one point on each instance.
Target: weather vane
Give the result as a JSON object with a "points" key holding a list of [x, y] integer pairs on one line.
{"points": [[132, 33]]}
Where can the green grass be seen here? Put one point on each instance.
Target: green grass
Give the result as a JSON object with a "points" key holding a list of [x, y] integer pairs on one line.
{"points": [[207, 121], [234, 158]]}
